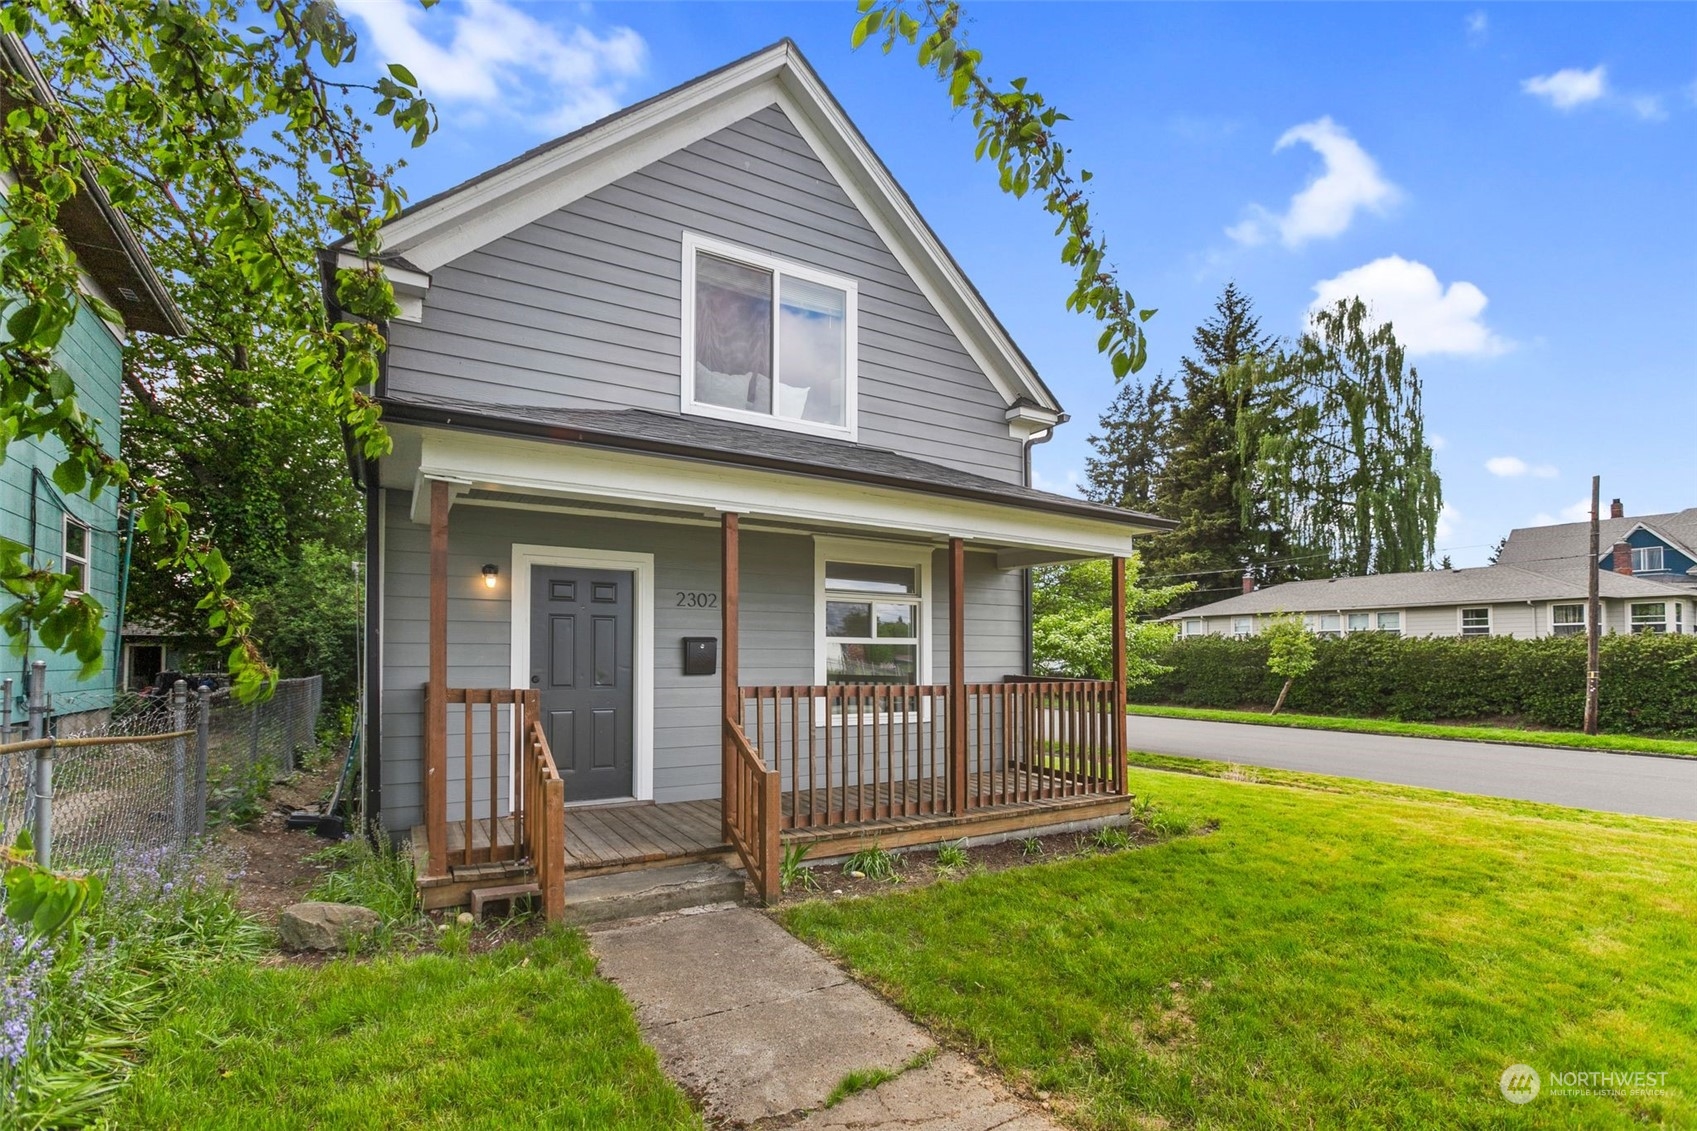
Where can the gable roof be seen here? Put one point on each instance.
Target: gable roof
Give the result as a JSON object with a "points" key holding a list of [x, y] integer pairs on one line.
{"points": [[748, 445], [1493, 584], [107, 249], [1539, 547], [441, 228]]}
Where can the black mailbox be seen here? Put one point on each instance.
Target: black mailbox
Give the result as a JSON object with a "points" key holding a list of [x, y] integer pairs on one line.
{"points": [[701, 655]]}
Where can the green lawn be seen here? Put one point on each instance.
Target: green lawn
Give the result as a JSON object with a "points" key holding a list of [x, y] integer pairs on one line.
{"points": [[526, 1036], [1334, 954], [1626, 743]]}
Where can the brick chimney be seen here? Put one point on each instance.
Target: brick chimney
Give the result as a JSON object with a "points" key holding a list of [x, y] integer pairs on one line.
{"points": [[1616, 510], [1248, 580], [1623, 558]]}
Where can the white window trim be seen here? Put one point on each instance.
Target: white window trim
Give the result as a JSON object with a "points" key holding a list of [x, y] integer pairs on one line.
{"points": [[849, 430], [1201, 624], [83, 559], [1236, 635], [1401, 621], [1584, 617], [1461, 620], [1632, 623], [871, 553], [641, 566], [1661, 552]]}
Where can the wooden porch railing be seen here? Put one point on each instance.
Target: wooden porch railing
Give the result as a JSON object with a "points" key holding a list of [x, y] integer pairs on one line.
{"points": [[846, 753], [520, 815], [750, 800]]}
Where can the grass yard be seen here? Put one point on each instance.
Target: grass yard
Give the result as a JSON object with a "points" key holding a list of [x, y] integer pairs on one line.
{"points": [[1334, 954], [524, 1036], [1625, 743]]}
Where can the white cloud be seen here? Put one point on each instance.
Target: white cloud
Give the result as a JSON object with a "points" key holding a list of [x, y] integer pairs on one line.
{"points": [[1448, 517], [1068, 484], [1512, 467], [1649, 107], [1573, 512], [1429, 318], [1437, 442], [1566, 89], [486, 57], [1478, 28], [1349, 182]]}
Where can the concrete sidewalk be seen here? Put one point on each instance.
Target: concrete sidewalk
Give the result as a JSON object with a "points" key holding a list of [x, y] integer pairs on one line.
{"points": [[760, 1028]]}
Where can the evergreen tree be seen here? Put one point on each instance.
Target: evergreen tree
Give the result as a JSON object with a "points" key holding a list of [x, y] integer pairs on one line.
{"points": [[1204, 481], [1132, 446]]}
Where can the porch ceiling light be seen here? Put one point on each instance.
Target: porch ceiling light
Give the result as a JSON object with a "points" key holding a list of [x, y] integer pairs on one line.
{"points": [[490, 573]]}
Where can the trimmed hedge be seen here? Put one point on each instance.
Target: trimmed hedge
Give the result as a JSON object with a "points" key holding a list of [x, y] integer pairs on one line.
{"points": [[1649, 682]]}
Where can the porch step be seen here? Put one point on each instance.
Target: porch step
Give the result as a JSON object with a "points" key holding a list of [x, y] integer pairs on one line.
{"points": [[650, 891]]}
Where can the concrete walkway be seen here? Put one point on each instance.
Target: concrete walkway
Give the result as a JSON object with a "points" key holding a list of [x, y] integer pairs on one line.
{"points": [[760, 1028]]}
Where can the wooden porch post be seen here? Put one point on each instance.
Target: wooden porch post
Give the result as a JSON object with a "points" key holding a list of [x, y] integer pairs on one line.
{"points": [[1117, 743], [730, 691], [957, 676], [436, 691]]}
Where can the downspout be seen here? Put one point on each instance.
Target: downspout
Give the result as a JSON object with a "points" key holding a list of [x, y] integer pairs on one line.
{"points": [[1032, 441], [124, 595]]}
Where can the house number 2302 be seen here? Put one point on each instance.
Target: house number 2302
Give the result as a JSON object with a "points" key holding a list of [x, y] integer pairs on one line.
{"points": [[697, 600]]}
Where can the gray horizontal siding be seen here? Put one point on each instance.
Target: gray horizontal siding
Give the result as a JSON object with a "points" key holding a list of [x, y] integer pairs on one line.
{"points": [[582, 308], [777, 625]]}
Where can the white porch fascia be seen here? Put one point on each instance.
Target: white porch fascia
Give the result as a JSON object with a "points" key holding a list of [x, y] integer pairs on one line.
{"points": [[1020, 536]]}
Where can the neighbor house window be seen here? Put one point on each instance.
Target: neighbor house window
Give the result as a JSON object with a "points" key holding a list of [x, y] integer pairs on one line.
{"points": [[1650, 616], [1647, 559], [1567, 620], [1476, 622], [1388, 622], [1193, 626], [1243, 626], [1331, 624], [872, 614], [1360, 622], [767, 341], [75, 554]]}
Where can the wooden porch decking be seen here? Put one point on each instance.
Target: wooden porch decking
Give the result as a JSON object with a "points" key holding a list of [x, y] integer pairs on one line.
{"points": [[621, 836]]}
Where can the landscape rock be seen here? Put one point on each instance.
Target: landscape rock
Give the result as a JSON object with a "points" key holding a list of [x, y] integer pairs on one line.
{"points": [[325, 926]]}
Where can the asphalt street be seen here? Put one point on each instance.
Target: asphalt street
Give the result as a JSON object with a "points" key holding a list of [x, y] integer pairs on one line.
{"points": [[1586, 779]]}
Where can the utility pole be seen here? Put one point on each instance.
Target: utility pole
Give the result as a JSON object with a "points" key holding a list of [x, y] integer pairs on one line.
{"points": [[1593, 609]]}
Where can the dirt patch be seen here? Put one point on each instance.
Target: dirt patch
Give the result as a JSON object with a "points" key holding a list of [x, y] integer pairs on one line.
{"points": [[269, 856], [919, 867]]}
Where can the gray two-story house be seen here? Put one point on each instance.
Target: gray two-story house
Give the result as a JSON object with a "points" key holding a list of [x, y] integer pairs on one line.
{"points": [[708, 520]]}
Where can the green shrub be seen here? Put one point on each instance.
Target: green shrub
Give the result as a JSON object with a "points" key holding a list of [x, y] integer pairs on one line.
{"points": [[1649, 682]]}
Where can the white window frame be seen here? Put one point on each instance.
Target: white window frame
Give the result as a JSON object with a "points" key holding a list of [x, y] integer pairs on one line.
{"points": [[1634, 625], [1401, 621], [1461, 620], [84, 559], [1584, 617], [871, 553], [1642, 553], [1320, 628], [849, 429], [1200, 624], [1243, 634]]}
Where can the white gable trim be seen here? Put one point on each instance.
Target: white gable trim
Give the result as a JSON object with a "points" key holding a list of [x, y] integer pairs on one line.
{"points": [[462, 220]]}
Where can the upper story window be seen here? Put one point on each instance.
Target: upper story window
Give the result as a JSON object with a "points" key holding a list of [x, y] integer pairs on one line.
{"points": [[75, 553], [1476, 622], [1647, 559], [766, 341]]}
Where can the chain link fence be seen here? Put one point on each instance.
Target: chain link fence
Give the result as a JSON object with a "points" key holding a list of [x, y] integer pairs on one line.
{"points": [[149, 771]]}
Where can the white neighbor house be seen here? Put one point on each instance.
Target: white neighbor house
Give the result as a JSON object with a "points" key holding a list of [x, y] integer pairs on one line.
{"points": [[1648, 583]]}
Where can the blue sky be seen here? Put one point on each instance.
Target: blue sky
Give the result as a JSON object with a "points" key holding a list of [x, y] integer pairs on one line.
{"points": [[1513, 185]]}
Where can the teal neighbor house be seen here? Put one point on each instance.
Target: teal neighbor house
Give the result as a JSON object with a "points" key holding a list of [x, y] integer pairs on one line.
{"points": [[73, 533]]}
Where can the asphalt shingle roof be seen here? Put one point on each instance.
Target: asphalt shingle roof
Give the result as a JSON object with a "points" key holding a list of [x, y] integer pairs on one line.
{"points": [[1541, 547], [697, 437]]}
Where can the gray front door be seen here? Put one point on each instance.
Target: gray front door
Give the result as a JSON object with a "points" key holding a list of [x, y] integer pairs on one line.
{"points": [[580, 661]]}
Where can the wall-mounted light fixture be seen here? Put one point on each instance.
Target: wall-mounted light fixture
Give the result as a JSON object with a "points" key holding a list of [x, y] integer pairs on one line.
{"points": [[490, 573]]}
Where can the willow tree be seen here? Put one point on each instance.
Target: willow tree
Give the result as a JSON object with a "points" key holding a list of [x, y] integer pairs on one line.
{"points": [[227, 129], [1335, 436]]}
